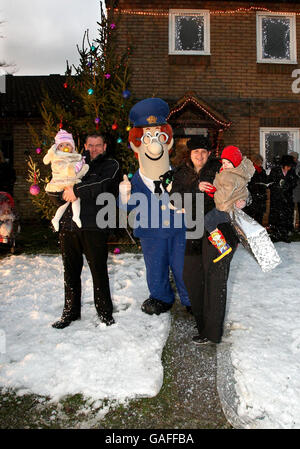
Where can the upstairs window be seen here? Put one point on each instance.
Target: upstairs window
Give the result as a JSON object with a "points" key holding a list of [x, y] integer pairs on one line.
{"points": [[276, 38], [189, 32]]}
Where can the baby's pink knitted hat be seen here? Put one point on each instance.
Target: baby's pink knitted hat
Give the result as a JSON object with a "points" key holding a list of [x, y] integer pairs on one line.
{"points": [[63, 137]]}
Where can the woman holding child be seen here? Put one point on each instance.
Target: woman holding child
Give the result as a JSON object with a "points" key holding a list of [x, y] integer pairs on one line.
{"points": [[207, 259]]}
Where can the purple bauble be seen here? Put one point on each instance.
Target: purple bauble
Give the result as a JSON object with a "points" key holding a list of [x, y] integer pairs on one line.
{"points": [[38, 151], [117, 251], [34, 189]]}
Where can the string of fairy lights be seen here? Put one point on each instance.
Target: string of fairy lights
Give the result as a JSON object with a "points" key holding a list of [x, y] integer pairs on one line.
{"points": [[165, 13], [224, 125], [198, 105]]}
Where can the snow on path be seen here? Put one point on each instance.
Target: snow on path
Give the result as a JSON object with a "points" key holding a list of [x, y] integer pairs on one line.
{"points": [[262, 389], [117, 362]]}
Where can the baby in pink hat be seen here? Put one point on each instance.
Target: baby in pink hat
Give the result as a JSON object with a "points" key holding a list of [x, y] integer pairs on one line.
{"points": [[68, 167]]}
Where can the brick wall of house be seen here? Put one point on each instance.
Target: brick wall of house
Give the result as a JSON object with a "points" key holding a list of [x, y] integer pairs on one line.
{"points": [[248, 116], [230, 79], [22, 147], [230, 71]]}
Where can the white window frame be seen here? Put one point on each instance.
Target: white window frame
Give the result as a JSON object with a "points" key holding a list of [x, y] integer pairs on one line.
{"points": [[189, 12], [293, 39], [196, 131], [264, 131]]}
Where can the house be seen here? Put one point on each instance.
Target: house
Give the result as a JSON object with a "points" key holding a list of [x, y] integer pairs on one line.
{"points": [[228, 69]]}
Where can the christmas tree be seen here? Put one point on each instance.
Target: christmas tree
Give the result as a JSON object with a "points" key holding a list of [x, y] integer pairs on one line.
{"points": [[98, 101]]}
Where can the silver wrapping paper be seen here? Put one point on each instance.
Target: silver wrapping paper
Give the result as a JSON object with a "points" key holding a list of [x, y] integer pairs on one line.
{"points": [[255, 239]]}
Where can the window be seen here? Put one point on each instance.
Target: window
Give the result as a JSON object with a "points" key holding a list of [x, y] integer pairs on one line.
{"points": [[275, 142], [6, 146], [195, 131], [276, 38], [189, 32]]}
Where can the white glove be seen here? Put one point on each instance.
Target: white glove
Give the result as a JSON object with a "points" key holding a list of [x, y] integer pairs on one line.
{"points": [[50, 154], [125, 189]]}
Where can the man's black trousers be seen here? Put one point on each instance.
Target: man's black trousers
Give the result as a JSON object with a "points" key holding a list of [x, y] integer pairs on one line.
{"points": [[93, 244]]}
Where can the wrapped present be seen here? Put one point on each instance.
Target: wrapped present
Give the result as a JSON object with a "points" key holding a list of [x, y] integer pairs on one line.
{"points": [[255, 239]]}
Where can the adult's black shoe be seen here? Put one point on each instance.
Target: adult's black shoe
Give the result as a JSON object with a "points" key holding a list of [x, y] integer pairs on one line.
{"points": [[197, 340], [108, 320], [155, 306], [64, 322]]}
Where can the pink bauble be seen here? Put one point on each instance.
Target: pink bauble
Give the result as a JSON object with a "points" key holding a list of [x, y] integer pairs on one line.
{"points": [[38, 151], [34, 189], [117, 251]]}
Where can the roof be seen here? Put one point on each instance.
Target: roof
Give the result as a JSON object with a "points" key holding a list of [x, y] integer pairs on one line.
{"points": [[206, 110], [24, 94], [144, 5]]}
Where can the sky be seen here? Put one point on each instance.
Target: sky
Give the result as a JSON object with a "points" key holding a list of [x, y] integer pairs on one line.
{"points": [[40, 35]]}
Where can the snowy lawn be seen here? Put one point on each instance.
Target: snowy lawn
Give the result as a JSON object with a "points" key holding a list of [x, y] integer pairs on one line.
{"points": [[263, 316], [258, 361], [117, 362]]}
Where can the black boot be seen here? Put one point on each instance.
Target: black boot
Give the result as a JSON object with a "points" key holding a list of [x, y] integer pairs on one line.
{"points": [[197, 340], [156, 306], [65, 321], [108, 320]]}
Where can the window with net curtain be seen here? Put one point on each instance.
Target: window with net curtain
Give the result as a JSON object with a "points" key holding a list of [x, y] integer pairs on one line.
{"points": [[276, 38], [189, 32], [275, 142]]}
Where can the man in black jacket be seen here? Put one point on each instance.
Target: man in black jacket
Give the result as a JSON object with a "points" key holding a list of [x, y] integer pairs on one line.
{"points": [[283, 180], [103, 177]]}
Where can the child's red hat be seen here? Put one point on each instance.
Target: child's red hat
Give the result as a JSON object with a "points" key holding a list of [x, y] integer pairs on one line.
{"points": [[232, 154]]}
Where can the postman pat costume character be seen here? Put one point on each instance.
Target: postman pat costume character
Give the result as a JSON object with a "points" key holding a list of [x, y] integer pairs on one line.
{"points": [[162, 233], [68, 167]]}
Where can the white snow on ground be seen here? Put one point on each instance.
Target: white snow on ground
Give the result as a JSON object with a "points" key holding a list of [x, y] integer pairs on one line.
{"points": [[124, 361], [263, 317], [117, 362]]}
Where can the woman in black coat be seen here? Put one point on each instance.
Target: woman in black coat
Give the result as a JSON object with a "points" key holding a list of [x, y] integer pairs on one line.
{"points": [[206, 281]]}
